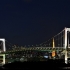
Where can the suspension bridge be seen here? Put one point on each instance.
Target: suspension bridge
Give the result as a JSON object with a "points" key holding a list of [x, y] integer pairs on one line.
{"points": [[59, 45]]}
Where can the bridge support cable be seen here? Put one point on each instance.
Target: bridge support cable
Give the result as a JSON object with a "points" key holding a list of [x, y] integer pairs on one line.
{"points": [[62, 36], [9, 46], [58, 39], [47, 43]]}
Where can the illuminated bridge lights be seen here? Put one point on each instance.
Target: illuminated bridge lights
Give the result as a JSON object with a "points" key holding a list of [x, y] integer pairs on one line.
{"points": [[26, 50], [40, 48], [49, 48], [33, 48]]}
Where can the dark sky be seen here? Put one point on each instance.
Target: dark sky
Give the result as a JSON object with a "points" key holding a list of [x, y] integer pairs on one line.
{"points": [[27, 22]]}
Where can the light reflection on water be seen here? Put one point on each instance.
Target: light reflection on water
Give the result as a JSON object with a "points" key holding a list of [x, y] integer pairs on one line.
{"points": [[66, 68]]}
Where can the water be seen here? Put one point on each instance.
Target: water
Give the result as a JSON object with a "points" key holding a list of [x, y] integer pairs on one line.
{"points": [[54, 64]]}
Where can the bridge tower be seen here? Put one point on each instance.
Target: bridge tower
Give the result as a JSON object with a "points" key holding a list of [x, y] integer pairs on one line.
{"points": [[53, 52], [2, 56], [66, 43], [53, 43]]}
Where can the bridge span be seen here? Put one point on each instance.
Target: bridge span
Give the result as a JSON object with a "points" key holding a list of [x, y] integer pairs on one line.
{"points": [[57, 45]]}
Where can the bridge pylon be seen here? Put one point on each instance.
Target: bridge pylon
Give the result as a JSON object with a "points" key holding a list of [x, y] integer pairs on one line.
{"points": [[2, 56], [53, 43], [66, 43], [53, 52]]}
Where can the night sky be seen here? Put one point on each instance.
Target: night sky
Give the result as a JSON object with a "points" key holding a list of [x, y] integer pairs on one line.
{"points": [[30, 22]]}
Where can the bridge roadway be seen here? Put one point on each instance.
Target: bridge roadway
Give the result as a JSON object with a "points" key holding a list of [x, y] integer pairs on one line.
{"points": [[49, 49], [28, 52]]}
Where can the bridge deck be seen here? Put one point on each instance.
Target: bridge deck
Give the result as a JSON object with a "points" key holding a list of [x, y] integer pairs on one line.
{"points": [[36, 49]]}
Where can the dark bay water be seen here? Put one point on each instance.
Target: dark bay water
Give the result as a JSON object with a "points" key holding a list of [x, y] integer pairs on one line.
{"points": [[31, 65]]}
